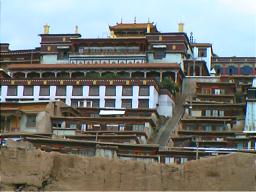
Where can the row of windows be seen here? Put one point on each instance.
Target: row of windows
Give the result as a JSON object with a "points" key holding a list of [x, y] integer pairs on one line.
{"points": [[213, 113], [204, 127], [126, 103], [83, 61], [209, 91], [78, 91], [246, 70], [87, 126], [109, 49]]}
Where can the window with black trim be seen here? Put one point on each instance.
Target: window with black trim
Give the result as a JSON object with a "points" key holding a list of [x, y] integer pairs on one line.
{"points": [[61, 90], [94, 91], [110, 102], [144, 91], [44, 91], [202, 52], [143, 103], [110, 91], [12, 90], [77, 91], [159, 53], [127, 91], [28, 91], [127, 103]]}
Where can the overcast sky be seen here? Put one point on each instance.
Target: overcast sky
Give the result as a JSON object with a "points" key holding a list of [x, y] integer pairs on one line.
{"points": [[230, 25]]}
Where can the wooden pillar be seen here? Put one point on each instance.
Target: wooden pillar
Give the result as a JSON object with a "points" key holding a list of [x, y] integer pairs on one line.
{"points": [[17, 123], [161, 76], [224, 70], [238, 69], [176, 77], [5, 123], [201, 70]]}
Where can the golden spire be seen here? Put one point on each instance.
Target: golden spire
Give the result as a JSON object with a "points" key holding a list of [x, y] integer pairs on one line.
{"points": [[180, 27], [46, 28], [148, 28]]}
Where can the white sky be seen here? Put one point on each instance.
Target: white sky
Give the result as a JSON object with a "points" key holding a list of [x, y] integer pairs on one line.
{"points": [[230, 25]]}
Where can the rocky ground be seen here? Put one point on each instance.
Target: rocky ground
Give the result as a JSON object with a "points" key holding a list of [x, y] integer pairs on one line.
{"points": [[31, 169]]}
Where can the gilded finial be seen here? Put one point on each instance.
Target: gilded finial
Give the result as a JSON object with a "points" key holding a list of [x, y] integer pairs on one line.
{"points": [[180, 27], [148, 28], [46, 28]]}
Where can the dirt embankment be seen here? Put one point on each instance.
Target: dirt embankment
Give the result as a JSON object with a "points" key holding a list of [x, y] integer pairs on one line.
{"points": [[34, 170]]}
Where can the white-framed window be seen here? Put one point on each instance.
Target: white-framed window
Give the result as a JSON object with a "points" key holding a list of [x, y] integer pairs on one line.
{"points": [[77, 103], [110, 91], [139, 127], [207, 128], [207, 113], [127, 103], [60, 90], [143, 103], [77, 91], [92, 103], [221, 113], [183, 160], [12, 90], [168, 160], [127, 91], [28, 91], [217, 91], [121, 127], [144, 91], [94, 91], [215, 113], [44, 91]]}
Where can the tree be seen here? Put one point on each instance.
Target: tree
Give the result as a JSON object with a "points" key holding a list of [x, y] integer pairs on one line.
{"points": [[170, 85]]}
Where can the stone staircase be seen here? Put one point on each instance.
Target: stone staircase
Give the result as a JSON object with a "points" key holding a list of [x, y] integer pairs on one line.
{"points": [[168, 128]]}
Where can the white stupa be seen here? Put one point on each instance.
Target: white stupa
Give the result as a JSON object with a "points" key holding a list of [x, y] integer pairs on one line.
{"points": [[250, 119]]}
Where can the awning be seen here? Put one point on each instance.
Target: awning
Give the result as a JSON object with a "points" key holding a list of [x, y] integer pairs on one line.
{"points": [[111, 112]]}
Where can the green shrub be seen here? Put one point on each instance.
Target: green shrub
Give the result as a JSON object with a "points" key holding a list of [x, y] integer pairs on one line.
{"points": [[170, 85]]}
